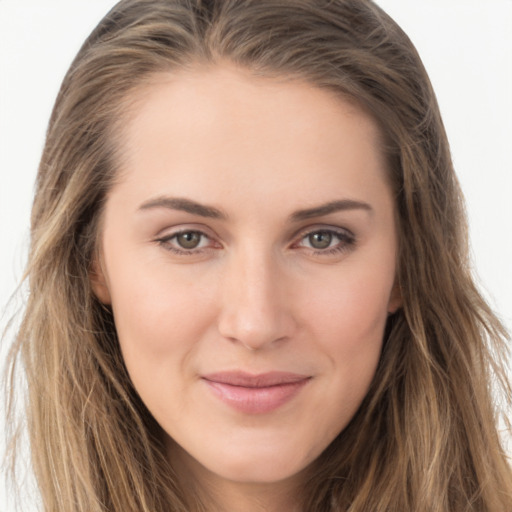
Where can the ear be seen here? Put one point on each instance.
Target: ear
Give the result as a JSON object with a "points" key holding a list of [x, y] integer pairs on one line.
{"points": [[395, 298], [99, 282]]}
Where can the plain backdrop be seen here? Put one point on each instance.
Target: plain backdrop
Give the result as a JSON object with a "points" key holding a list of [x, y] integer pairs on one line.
{"points": [[466, 46]]}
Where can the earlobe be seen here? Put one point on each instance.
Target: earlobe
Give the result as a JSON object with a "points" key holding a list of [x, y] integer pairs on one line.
{"points": [[99, 285], [395, 298]]}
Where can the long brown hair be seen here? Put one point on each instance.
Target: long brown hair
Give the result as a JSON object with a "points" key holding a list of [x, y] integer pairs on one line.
{"points": [[425, 437]]}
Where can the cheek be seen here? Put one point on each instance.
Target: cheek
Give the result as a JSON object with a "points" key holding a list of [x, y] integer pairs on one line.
{"points": [[351, 309], [347, 320], [160, 330], [157, 315], [156, 324]]}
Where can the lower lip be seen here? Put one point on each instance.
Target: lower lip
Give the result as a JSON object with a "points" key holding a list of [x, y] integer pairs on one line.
{"points": [[256, 400]]}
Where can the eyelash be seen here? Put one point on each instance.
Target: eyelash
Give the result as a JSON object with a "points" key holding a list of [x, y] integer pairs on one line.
{"points": [[166, 242], [346, 240]]}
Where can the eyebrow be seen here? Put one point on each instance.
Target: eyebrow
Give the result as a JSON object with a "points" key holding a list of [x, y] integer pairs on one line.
{"points": [[331, 207], [184, 205], [194, 208]]}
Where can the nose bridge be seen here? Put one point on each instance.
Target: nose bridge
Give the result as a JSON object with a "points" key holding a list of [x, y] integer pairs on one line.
{"points": [[254, 312]]}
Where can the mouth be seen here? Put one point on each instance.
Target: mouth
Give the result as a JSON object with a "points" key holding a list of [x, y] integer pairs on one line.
{"points": [[255, 394]]}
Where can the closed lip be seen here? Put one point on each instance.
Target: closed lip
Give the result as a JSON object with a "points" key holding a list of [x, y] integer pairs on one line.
{"points": [[255, 393], [260, 380]]}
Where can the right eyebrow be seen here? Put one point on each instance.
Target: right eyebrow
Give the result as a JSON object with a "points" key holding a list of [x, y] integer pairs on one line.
{"points": [[184, 205]]}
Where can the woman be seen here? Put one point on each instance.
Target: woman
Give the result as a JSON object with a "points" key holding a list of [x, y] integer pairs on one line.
{"points": [[249, 286]]}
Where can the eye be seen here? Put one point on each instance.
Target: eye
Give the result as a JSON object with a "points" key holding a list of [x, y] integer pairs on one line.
{"points": [[320, 239], [327, 241], [188, 239], [187, 242]]}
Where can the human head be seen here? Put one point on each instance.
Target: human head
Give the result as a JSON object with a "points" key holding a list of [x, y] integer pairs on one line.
{"points": [[350, 47]]}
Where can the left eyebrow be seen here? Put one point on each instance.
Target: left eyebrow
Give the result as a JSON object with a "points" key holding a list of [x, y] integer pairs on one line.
{"points": [[331, 207]]}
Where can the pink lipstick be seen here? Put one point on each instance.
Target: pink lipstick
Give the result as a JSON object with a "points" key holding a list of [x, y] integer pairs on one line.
{"points": [[255, 394]]}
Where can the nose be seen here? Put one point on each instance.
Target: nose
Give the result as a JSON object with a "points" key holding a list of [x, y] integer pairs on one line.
{"points": [[255, 309]]}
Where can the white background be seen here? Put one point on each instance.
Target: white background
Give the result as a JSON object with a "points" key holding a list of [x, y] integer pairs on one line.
{"points": [[466, 46]]}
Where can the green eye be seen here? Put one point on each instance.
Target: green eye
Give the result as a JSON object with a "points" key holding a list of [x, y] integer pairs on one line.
{"points": [[189, 239], [320, 239]]}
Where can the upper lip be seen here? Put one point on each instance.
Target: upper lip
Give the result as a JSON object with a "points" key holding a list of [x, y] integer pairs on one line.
{"points": [[249, 380]]}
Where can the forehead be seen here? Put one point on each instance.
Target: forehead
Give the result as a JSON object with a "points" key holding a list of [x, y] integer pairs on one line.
{"points": [[221, 127], [225, 89]]}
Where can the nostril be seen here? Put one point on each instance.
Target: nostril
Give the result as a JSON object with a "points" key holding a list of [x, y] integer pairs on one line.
{"points": [[256, 327]]}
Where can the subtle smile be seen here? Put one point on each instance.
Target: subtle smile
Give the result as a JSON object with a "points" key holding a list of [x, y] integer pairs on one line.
{"points": [[255, 394]]}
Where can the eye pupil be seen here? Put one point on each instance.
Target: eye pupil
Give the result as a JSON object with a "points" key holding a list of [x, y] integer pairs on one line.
{"points": [[320, 239], [189, 239]]}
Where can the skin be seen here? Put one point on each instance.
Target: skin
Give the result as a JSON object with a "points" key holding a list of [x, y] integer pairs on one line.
{"points": [[260, 292]]}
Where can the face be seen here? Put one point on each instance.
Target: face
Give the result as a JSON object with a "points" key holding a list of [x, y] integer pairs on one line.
{"points": [[248, 252]]}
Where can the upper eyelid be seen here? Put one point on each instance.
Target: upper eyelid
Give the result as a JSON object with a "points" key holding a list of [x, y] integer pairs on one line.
{"points": [[170, 233], [174, 234], [315, 229], [345, 238], [168, 242]]}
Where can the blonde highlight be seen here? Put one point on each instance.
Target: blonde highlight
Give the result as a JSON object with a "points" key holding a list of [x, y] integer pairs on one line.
{"points": [[425, 437]]}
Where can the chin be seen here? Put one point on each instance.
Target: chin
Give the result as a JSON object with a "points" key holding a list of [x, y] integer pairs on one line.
{"points": [[260, 466]]}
